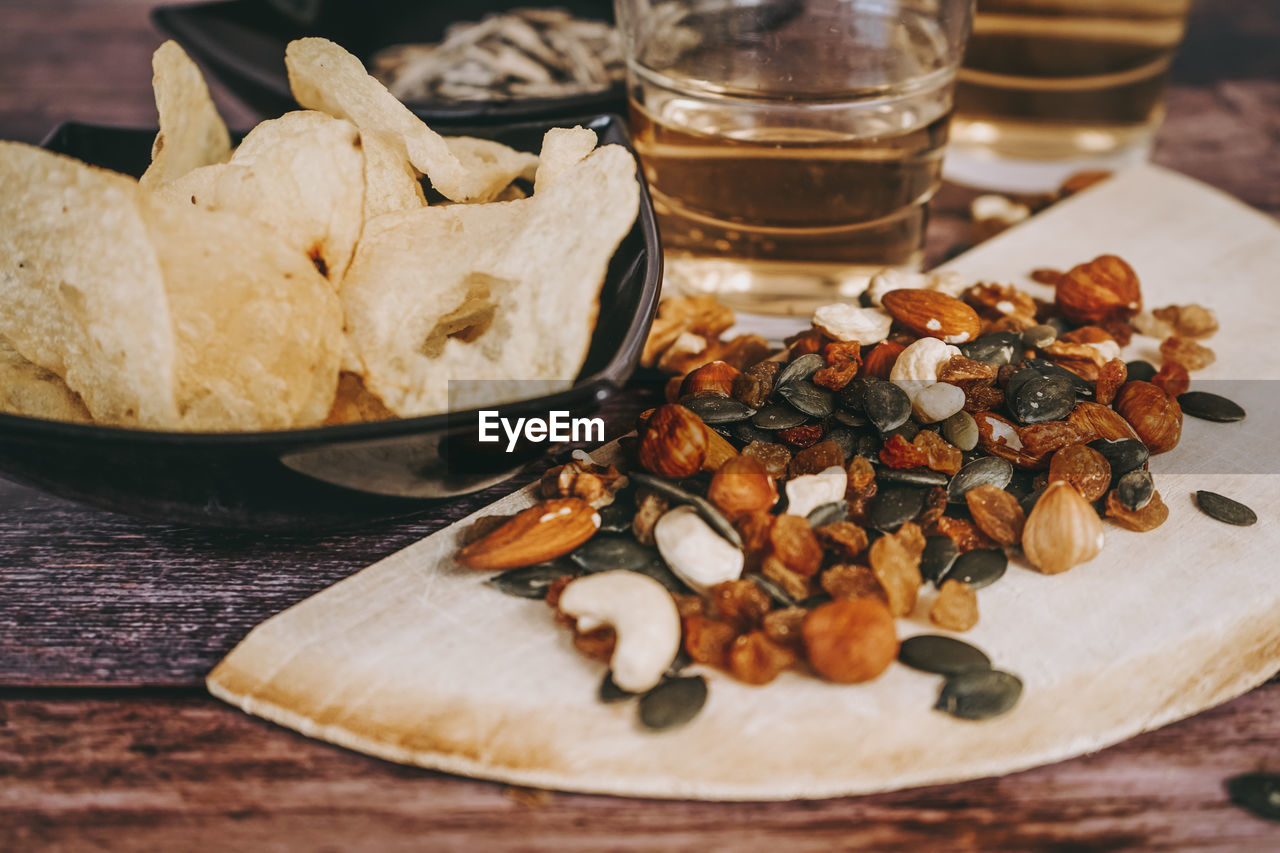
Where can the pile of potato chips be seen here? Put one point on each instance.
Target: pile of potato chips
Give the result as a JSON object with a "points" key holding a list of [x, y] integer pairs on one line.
{"points": [[301, 278]]}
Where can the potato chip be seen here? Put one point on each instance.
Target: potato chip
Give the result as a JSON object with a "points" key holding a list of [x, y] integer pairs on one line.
{"points": [[504, 293], [562, 148], [258, 330], [302, 175], [81, 286], [325, 77], [30, 390], [192, 133], [354, 403], [390, 182], [498, 164]]}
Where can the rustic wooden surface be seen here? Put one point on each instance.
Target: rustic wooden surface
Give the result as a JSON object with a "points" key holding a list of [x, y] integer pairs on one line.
{"points": [[108, 625]]}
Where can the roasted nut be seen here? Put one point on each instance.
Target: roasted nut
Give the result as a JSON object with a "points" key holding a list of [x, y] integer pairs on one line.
{"points": [[697, 554], [542, 532], [937, 402], [1082, 467], [755, 659], [1110, 377], [1094, 420], [1062, 530], [931, 313], [715, 377], [742, 485], [1100, 289], [1154, 415], [810, 491], [649, 509], [918, 365], [642, 613], [674, 445], [956, 607], [1002, 302], [878, 363], [891, 278], [997, 513], [583, 478], [850, 640], [687, 352], [844, 322], [719, 451]]}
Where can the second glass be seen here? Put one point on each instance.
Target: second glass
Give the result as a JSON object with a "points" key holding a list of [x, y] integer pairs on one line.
{"points": [[791, 146]]}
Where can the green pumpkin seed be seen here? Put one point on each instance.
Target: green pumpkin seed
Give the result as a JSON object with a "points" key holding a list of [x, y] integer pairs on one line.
{"points": [[771, 589], [1210, 407], [705, 508], [985, 469], [941, 655], [940, 552], [886, 405], [1135, 489], [778, 417], [911, 476], [1225, 509], [718, 410], [532, 581], [893, 507], [979, 694], [605, 552], [1140, 370], [1259, 793], [673, 703], [804, 396], [978, 568], [802, 368], [829, 513], [610, 692]]}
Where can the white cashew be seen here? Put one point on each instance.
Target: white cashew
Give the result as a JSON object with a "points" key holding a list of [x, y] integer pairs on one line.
{"points": [[810, 491], [697, 554], [846, 322], [949, 282], [999, 208], [937, 402], [894, 279], [643, 616]]}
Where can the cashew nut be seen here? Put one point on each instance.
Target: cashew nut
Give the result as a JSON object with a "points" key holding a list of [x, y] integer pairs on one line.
{"points": [[697, 554], [846, 322], [643, 616], [810, 491], [894, 279]]}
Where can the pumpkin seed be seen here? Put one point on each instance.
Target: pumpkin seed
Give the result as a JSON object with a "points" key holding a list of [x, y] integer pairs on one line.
{"points": [[1135, 489], [802, 368], [893, 507], [1210, 407], [961, 430], [605, 552], [771, 589], [1083, 387], [778, 417], [984, 470], [807, 397], [1017, 380], [1029, 501], [616, 517], [1225, 509], [718, 410], [1123, 455], [849, 419], [532, 581], [908, 430], [939, 553], [1043, 398], [747, 432], [1258, 793], [886, 405], [851, 397], [978, 568], [996, 348], [610, 692], [941, 655], [845, 439], [705, 508], [830, 513], [1140, 370], [1039, 336], [674, 702], [979, 694], [868, 447], [911, 476]]}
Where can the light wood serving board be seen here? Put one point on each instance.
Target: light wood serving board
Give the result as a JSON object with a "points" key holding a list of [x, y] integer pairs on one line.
{"points": [[415, 660]]}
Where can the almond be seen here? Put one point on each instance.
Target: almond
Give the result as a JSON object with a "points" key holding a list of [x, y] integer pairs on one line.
{"points": [[1062, 530], [930, 313], [1154, 415], [742, 486], [542, 532], [674, 444], [1103, 288]]}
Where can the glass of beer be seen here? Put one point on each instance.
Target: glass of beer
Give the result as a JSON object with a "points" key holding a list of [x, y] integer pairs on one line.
{"points": [[1053, 87], [791, 146]]}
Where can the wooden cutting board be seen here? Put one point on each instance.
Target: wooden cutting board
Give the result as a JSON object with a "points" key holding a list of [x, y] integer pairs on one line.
{"points": [[416, 660]]}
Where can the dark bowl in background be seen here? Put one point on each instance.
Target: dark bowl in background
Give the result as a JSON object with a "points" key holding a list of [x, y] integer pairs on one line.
{"points": [[242, 43], [325, 476]]}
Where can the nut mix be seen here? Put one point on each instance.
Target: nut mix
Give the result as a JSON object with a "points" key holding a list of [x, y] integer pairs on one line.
{"points": [[802, 501]]}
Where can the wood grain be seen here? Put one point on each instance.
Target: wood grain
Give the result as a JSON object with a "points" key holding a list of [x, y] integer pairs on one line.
{"points": [[184, 772]]}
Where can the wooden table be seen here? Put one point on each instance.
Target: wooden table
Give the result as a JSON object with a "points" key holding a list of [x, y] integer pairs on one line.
{"points": [[108, 626]]}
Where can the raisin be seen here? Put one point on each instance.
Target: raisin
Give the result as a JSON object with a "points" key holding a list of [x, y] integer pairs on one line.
{"points": [[1151, 516], [1188, 353], [815, 459], [794, 584], [707, 640], [939, 455], [956, 607], [1110, 377], [895, 559], [756, 659], [1172, 378], [843, 360], [844, 580], [844, 539], [785, 627], [740, 603], [1188, 321], [805, 435], [597, 644], [997, 513], [795, 545], [774, 457], [897, 452], [964, 533], [1039, 440], [1082, 467]]}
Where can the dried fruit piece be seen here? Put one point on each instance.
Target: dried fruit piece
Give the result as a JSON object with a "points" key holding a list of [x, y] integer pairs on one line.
{"points": [[774, 457], [740, 603], [850, 640], [844, 539], [895, 559], [542, 532], [1188, 321], [1188, 353], [1083, 467], [938, 454], [816, 459], [756, 659], [1151, 516], [956, 607], [583, 478], [843, 358], [786, 626], [1153, 414], [708, 640], [1110, 377], [897, 452], [1040, 440], [597, 644], [795, 545], [845, 580], [793, 583], [805, 435], [1062, 530], [742, 485], [997, 513], [674, 445], [1103, 288], [1172, 379]]}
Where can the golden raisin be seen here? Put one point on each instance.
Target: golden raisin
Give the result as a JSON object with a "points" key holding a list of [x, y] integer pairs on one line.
{"points": [[1082, 467], [708, 641], [897, 452], [794, 584], [785, 627], [1188, 321], [1039, 440], [1172, 378], [756, 659], [843, 360], [849, 581], [851, 639], [1151, 516], [997, 513], [819, 457], [754, 528], [964, 533], [844, 539], [1188, 353], [774, 457], [862, 479], [939, 455], [956, 607], [795, 545], [895, 559], [740, 603], [688, 605]]}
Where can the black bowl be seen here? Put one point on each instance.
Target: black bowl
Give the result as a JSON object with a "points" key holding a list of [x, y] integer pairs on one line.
{"points": [[325, 476], [243, 41]]}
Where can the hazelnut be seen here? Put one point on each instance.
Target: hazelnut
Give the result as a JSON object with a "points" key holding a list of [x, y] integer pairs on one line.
{"points": [[1062, 530], [850, 639], [742, 485], [675, 443], [715, 377], [1154, 415]]}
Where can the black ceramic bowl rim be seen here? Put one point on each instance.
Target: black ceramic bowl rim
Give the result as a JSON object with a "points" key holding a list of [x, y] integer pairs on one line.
{"points": [[222, 59], [599, 385]]}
